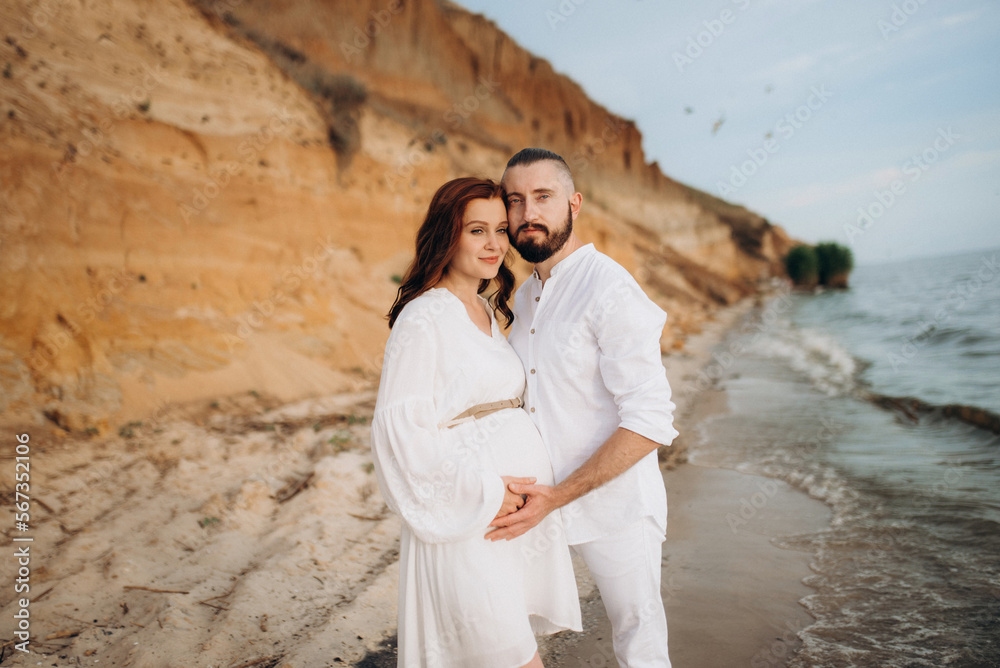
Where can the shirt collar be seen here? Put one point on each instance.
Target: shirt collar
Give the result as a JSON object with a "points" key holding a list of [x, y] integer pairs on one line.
{"points": [[573, 258]]}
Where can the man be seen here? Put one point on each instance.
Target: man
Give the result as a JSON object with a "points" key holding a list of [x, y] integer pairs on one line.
{"points": [[589, 339]]}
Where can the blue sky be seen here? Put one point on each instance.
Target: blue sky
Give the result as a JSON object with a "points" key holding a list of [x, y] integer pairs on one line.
{"points": [[828, 110]]}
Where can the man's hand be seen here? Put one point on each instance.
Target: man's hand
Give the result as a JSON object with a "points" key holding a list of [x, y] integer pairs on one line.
{"points": [[512, 500], [619, 453], [541, 501]]}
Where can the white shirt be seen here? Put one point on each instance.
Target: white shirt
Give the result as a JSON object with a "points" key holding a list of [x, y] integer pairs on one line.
{"points": [[590, 346]]}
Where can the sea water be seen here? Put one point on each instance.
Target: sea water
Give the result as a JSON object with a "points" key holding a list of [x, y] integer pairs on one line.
{"points": [[820, 390]]}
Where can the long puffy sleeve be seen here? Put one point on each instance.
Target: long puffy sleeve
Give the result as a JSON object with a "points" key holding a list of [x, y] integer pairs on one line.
{"points": [[439, 489]]}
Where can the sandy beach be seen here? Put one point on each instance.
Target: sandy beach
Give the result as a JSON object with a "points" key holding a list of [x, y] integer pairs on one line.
{"points": [[245, 532]]}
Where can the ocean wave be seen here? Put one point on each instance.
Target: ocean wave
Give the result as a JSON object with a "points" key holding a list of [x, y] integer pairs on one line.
{"points": [[827, 364], [957, 337], [867, 317], [971, 529], [976, 354], [914, 409]]}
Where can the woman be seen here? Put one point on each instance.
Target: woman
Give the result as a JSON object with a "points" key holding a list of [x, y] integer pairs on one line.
{"points": [[447, 437]]}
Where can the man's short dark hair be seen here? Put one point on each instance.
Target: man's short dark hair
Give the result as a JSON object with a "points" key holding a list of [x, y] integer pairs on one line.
{"points": [[529, 156]]}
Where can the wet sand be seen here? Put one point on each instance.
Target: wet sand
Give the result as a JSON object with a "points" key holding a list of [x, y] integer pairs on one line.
{"points": [[731, 596]]}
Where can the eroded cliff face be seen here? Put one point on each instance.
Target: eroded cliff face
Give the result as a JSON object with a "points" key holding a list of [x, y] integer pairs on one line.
{"points": [[204, 198]]}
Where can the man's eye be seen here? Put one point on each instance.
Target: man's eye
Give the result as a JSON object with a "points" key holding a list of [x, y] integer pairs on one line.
{"points": [[513, 200], [543, 197]]}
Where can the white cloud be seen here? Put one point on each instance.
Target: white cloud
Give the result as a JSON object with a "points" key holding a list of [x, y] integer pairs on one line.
{"points": [[975, 159], [803, 62], [959, 19], [819, 193]]}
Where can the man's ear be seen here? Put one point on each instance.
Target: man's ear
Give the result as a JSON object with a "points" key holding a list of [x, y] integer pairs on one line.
{"points": [[575, 202]]}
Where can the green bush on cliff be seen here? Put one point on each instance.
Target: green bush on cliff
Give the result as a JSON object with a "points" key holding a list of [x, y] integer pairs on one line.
{"points": [[802, 266], [826, 264], [835, 263]]}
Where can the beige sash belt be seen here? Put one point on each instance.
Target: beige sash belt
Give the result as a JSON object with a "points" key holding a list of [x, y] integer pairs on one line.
{"points": [[480, 411]]}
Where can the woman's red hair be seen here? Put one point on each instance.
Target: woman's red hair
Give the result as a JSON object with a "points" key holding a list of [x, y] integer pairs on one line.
{"points": [[437, 242]]}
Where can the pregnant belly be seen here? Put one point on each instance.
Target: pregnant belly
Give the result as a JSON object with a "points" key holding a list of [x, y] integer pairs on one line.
{"points": [[515, 444]]}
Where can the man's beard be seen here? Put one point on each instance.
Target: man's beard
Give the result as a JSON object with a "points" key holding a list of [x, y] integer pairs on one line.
{"points": [[535, 251]]}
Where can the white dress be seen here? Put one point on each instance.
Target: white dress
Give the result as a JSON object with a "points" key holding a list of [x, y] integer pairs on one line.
{"points": [[464, 601]]}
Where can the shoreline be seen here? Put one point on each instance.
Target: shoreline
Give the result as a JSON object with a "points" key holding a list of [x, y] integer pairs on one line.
{"points": [[731, 596]]}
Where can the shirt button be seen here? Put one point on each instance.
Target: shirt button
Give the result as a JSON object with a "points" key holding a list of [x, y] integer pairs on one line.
{"points": [[532, 409], [532, 331], [532, 371], [537, 298]]}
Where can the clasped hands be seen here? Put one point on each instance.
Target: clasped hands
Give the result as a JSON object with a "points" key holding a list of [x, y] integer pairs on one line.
{"points": [[525, 504]]}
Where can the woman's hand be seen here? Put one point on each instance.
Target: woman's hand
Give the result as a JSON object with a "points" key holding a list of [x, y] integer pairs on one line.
{"points": [[512, 501]]}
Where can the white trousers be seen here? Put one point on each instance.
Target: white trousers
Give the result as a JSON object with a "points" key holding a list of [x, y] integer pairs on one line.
{"points": [[626, 568]]}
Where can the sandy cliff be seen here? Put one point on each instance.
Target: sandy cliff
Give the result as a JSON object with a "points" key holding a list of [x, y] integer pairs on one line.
{"points": [[212, 197]]}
